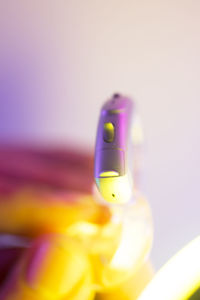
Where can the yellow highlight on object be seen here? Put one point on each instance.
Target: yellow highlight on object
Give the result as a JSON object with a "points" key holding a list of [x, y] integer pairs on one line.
{"points": [[116, 189], [108, 126], [179, 278], [109, 174], [108, 132]]}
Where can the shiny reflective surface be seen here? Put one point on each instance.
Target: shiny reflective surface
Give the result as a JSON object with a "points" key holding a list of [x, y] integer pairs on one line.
{"points": [[112, 152]]}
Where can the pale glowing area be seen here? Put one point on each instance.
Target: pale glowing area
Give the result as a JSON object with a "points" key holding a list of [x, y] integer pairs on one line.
{"points": [[135, 242], [179, 278], [131, 246], [137, 131], [130, 289], [85, 228]]}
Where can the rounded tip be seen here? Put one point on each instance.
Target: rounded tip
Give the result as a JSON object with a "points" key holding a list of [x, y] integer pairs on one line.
{"points": [[116, 95]]}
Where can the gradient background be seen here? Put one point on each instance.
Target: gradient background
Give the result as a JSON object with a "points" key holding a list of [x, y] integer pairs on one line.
{"points": [[59, 60]]}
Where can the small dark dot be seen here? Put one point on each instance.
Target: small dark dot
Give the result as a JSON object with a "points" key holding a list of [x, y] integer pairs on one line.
{"points": [[113, 195]]}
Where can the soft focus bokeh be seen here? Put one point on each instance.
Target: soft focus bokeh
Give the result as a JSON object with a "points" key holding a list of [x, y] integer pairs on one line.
{"points": [[59, 60]]}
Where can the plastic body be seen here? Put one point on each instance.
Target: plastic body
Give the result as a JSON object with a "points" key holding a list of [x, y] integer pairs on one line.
{"points": [[113, 151]]}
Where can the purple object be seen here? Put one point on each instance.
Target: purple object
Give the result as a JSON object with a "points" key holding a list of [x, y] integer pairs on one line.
{"points": [[113, 152]]}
